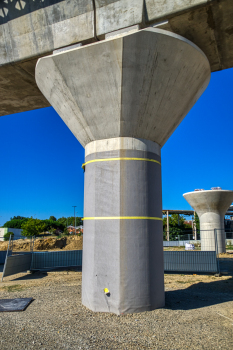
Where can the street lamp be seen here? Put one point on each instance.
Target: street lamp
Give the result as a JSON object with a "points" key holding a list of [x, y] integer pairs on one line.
{"points": [[74, 206]]}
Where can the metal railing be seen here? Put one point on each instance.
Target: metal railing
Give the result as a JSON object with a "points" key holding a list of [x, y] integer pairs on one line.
{"points": [[216, 239]]}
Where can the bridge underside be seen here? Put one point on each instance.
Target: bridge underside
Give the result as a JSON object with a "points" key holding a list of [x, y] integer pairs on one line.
{"points": [[29, 30]]}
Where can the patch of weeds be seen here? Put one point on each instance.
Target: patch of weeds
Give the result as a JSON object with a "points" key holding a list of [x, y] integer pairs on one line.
{"points": [[183, 281], [14, 288]]}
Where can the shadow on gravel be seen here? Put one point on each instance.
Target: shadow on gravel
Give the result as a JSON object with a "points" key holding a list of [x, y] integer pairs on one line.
{"points": [[200, 295], [31, 276], [226, 264]]}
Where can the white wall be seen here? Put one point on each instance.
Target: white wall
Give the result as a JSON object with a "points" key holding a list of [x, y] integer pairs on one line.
{"points": [[16, 231]]}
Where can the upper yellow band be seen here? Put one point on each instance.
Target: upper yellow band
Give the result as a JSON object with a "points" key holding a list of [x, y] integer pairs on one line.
{"points": [[122, 158], [122, 218]]}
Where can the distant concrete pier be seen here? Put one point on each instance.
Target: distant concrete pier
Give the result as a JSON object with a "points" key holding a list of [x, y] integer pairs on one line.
{"points": [[211, 207], [123, 98]]}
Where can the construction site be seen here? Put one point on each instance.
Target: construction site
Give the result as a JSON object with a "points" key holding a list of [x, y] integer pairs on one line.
{"points": [[120, 76], [198, 314]]}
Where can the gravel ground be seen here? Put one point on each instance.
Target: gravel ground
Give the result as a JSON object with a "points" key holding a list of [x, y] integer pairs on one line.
{"points": [[198, 315]]}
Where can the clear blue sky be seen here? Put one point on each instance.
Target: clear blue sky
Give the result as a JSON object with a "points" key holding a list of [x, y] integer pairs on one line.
{"points": [[41, 160]]}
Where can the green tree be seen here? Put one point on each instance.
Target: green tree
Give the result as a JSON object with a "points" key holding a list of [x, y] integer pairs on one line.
{"points": [[16, 222], [65, 231], [197, 222], [7, 236], [62, 220], [18, 218], [49, 224], [33, 227], [52, 218], [52, 230], [70, 221], [177, 227]]}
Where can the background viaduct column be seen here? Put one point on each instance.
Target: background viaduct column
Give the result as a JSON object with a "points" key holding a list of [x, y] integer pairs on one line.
{"points": [[122, 98], [211, 207]]}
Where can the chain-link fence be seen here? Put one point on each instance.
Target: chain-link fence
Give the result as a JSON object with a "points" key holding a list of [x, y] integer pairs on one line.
{"points": [[229, 240]]}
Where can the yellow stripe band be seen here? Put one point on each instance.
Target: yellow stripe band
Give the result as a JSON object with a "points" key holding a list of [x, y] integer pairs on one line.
{"points": [[122, 218], [122, 158]]}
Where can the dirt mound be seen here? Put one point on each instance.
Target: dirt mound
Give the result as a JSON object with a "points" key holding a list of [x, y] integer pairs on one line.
{"points": [[74, 243], [228, 254], [50, 243], [19, 245], [3, 245]]}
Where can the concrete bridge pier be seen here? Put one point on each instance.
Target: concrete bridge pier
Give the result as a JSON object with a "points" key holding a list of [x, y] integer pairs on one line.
{"points": [[211, 207], [123, 98]]}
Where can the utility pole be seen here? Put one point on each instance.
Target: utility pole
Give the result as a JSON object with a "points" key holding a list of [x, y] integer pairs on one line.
{"points": [[74, 206], [168, 226], [194, 226]]}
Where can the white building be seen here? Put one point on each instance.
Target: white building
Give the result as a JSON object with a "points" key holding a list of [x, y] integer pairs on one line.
{"points": [[16, 231]]}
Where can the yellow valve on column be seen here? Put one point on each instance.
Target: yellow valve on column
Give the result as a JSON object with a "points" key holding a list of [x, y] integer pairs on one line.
{"points": [[106, 291]]}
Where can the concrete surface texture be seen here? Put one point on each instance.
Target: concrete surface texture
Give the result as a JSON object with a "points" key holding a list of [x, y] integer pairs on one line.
{"points": [[211, 207], [140, 85], [31, 29], [122, 98]]}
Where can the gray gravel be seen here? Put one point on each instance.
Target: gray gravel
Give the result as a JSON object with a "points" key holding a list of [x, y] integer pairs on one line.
{"points": [[197, 316]]}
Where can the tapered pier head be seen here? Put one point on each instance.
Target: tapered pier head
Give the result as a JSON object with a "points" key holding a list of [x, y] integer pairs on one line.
{"points": [[122, 98], [211, 207]]}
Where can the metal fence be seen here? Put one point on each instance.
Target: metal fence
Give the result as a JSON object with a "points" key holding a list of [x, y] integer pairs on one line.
{"points": [[229, 240], [203, 255], [3, 256], [2, 253], [54, 259], [207, 240], [200, 255], [191, 261], [16, 264], [181, 243]]}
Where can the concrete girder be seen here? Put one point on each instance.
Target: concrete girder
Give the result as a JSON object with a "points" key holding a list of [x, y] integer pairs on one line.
{"points": [[29, 30], [122, 98], [211, 207]]}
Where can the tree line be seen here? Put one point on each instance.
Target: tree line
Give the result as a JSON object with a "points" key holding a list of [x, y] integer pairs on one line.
{"points": [[34, 227], [178, 227]]}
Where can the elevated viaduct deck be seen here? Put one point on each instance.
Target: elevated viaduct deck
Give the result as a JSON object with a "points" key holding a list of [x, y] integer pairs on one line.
{"points": [[31, 29]]}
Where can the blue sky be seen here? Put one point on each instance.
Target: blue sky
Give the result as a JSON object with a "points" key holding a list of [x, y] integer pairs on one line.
{"points": [[41, 160]]}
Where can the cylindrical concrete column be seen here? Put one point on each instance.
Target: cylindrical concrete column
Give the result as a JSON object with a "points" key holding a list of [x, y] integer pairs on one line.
{"points": [[211, 207], [123, 241], [212, 232]]}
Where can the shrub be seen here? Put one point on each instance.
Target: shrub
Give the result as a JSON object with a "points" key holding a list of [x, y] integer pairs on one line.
{"points": [[7, 236]]}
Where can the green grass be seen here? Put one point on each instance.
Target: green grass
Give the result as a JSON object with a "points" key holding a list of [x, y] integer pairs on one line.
{"points": [[184, 281], [15, 288]]}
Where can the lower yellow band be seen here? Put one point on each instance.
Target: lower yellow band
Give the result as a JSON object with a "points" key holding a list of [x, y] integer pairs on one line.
{"points": [[122, 218]]}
